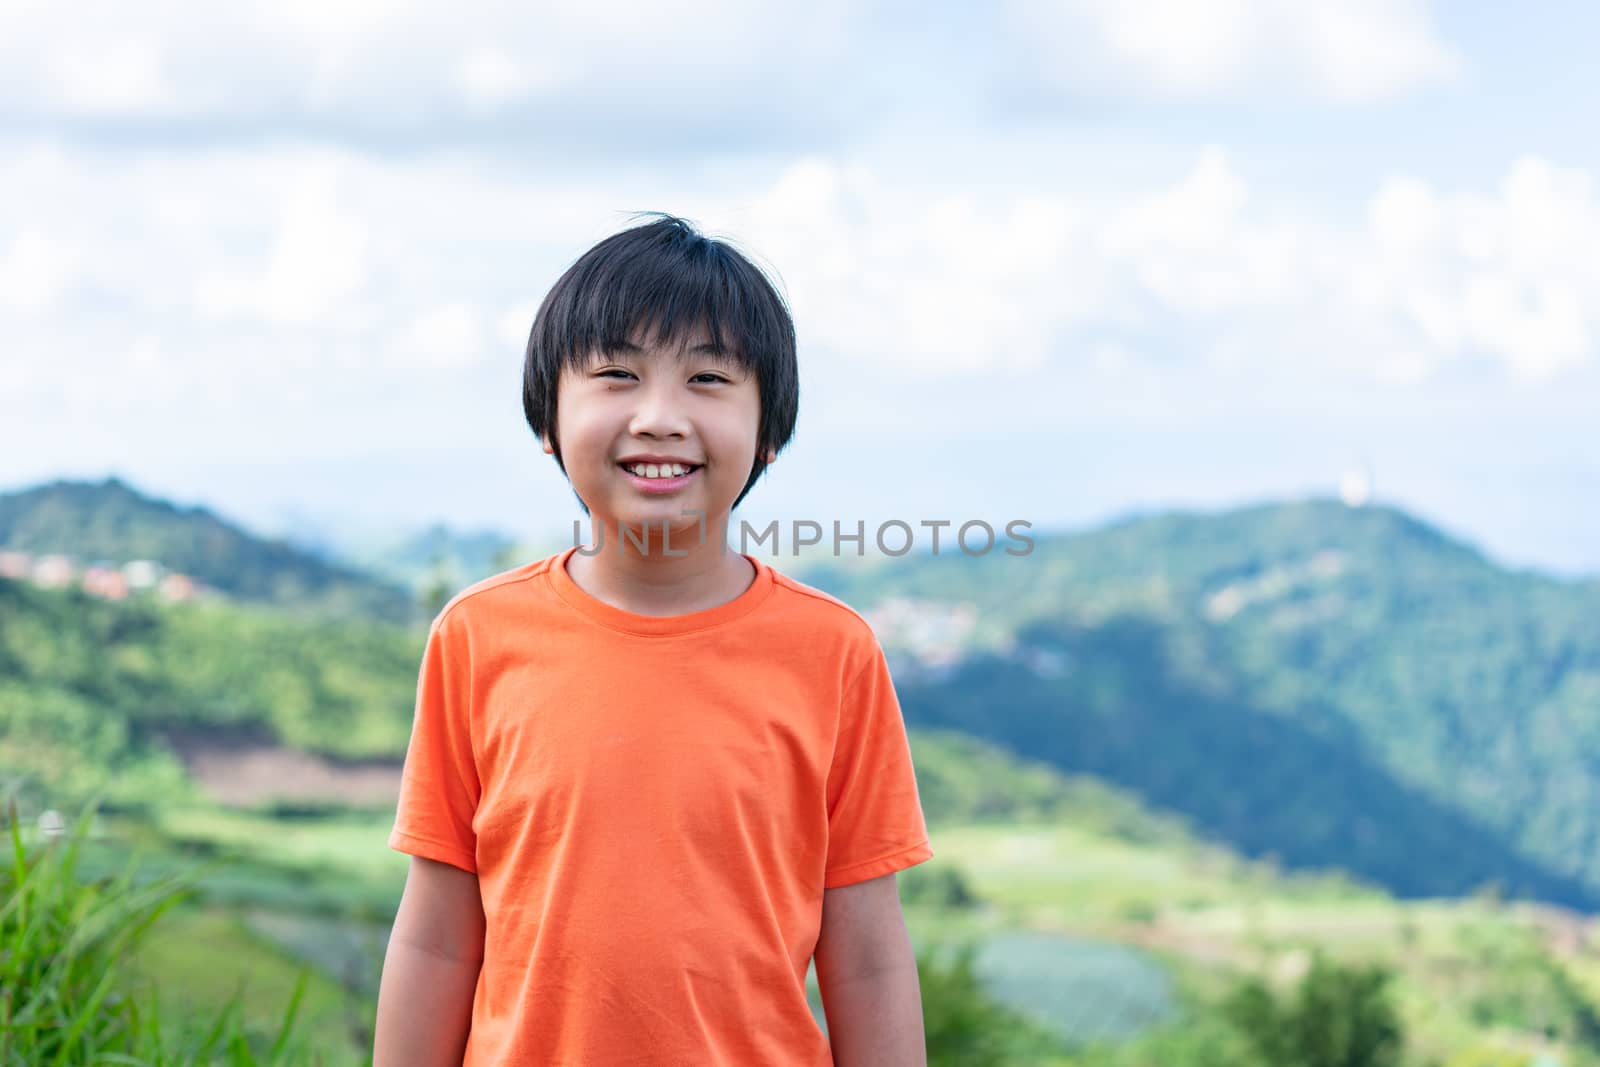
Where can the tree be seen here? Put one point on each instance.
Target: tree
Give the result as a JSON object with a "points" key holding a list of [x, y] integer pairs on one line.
{"points": [[1338, 1017]]}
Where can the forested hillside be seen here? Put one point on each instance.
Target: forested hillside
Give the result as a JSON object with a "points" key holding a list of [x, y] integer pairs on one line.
{"points": [[1335, 685], [91, 690], [110, 521]]}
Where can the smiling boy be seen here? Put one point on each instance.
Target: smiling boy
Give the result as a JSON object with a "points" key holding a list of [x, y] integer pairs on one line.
{"points": [[648, 785]]}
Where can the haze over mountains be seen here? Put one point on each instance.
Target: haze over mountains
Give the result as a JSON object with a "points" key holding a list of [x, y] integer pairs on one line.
{"points": [[1341, 687]]}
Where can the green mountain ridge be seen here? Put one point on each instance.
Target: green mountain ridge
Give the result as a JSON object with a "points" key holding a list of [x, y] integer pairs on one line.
{"points": [[1432, 705], [112, 521], [1335, 687], [1265, 784]]}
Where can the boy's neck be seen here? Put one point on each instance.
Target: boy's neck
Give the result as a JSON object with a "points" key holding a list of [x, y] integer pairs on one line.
{"points": [[699, 574]]}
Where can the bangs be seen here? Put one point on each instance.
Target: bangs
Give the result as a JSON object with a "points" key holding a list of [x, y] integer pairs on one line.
{"points": [[656, 286]]}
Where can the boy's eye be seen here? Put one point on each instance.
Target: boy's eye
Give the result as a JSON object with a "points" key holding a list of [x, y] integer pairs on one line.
{"points": [[615, 371]]}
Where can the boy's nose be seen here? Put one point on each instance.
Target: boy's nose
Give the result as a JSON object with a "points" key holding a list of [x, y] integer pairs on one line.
{"points": [[660, 414]]}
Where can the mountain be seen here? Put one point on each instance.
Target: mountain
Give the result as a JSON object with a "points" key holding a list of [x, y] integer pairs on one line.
{"points": [[437, 553], [111, 521], [1334, 685]]}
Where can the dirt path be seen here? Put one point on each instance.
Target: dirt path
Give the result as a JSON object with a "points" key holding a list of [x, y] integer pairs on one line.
{"points": [[250, 773]]}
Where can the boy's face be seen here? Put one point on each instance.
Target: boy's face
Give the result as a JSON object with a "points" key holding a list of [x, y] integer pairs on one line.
{"points": [[647, 401]]}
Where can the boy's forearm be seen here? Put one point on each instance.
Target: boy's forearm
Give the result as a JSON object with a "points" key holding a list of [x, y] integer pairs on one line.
{"points": [[875, 1020], [424, 1008]]}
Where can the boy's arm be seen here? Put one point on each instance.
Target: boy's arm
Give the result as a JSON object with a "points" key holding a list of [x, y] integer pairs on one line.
{"points": [[867, 972], [430, 971]]}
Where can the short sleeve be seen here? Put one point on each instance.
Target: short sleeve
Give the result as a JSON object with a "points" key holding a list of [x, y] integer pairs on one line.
{"points": [[875, 820], [439, 786]]}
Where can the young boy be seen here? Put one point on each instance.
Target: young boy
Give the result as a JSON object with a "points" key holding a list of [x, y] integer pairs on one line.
{"points": [[651, 778]]}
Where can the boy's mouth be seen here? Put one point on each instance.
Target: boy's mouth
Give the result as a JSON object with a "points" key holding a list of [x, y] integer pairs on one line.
{"points": [[666, 477], [660, 470]]}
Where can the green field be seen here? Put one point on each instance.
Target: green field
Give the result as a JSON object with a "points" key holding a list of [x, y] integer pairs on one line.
{"points": [[1093, 937]]}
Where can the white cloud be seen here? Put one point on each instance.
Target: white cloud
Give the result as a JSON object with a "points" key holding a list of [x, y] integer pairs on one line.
{"points": [[35, 270], [925, 277], [681, 74], [1348, 51], [946, 282], [447, 337], [1364, 50], [1508, 276], [109, 77], [317, 258], [390, 67], [515, 324], [1192, 247], [360, 269], [488, 77], [1540, 328], [1512, 274], [1184, 46]]}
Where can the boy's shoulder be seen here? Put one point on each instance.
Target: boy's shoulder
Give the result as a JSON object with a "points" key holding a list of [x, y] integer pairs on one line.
{"points": [[821, 619], [489, 593], [820, 606]]}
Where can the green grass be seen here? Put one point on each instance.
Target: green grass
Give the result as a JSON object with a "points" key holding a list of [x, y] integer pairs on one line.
{"points": [[199, 960], [70, 992]]}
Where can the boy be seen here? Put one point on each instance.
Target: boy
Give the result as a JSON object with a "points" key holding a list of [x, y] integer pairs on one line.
{"points": [[649, 779]]}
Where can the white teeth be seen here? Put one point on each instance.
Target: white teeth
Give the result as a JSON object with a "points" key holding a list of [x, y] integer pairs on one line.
{"points": [[652, 470]]}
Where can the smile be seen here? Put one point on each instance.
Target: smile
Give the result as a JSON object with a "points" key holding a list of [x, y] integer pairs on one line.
{"points": [[661, 470], [663, 480]]}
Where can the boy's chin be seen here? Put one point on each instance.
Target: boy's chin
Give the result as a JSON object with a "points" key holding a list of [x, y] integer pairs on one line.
{"points": [[684, 525]]}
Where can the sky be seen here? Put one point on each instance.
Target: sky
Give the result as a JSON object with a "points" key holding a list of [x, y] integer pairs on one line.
{"points": [[1059, 262]]}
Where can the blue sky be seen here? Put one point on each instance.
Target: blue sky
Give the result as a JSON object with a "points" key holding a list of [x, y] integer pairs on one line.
{"points": [[1053, 261]]}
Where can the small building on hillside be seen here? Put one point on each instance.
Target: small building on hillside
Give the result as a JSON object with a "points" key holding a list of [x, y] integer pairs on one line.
{"points": [[106, 582], [176, 587], [53, 572], [142, 573]]}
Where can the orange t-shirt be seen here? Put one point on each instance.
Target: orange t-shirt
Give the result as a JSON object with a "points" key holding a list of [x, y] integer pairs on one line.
{"points": [[653, 807]]}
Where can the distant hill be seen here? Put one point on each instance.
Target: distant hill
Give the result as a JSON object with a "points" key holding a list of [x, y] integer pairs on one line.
{"points": [[1337, 687], [437, 554], [1334, 685], [111, 521]]}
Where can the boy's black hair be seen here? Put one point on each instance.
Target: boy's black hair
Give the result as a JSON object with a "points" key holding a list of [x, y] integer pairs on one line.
{"points": [[665, 272]]}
